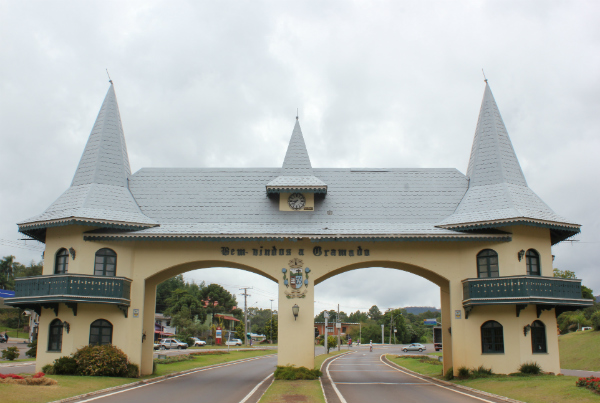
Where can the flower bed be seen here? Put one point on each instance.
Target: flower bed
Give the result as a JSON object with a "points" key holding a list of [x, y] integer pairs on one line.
{"points": [[592, 383], [36, 379]]}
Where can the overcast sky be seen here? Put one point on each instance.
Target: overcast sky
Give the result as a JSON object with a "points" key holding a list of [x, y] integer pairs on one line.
{"points": [[377, 84]]}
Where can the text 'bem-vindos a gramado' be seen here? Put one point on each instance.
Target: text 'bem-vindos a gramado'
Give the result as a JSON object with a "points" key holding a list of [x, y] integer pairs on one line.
{"points": [[274, 251]]}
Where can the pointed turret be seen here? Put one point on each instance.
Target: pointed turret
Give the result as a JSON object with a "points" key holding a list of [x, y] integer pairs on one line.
{"points": [[296, 172], [105, 159], [99, 195], [498, 193]]}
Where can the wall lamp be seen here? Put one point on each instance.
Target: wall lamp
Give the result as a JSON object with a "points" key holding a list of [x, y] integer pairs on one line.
{"points": [[526, 329], [67, 326], [521, 254], [295, 310], [143, 336], [72, 252]]}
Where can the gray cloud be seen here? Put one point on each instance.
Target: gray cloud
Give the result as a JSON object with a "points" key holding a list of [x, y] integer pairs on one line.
{"points": [[385, 84]]}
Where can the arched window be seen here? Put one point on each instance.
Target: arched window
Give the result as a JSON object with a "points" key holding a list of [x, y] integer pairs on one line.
{"points": [[487, 264], [101, 332], [61, 263], [106, 263], [55, 335], [492, 338], [533, 263], [538, 337]]}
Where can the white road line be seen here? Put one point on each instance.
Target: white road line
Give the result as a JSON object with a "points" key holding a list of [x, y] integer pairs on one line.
{"points": [[172, 377], [359, 370], [337, 392], [386, 383], [435, 384], [249, 395]]}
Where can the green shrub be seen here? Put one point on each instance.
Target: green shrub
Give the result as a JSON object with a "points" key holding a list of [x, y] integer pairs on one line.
{"points": [[11, 353], [65, 366], [32, 352], [449, 374], [133, 371], [530, 368], [331, 342], [48, 369], [106, 360], [595, 319], [463, 373], [174, 358], [481, 372], [291, 373]]}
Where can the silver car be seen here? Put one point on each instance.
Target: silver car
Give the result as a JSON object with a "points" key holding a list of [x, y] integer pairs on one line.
{"points": [[414, 347]]}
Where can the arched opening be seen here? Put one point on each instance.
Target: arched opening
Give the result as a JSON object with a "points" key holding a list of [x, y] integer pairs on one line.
{"points": [[492, 338], [105, 263], [101, 332], [538, 337], [61, 262], [55, 335]]}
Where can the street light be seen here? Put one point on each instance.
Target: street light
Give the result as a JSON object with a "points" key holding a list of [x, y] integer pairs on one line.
{"points": [[271, 320], [295, 310]]}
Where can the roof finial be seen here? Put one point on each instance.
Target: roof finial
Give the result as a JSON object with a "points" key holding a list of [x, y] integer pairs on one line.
{"points": [[484, 77], [296, 113], [109, 80]]}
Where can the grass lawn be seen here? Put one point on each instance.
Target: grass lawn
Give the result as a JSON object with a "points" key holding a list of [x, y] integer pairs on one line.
{"points": [[532, 389], [294, 391], [2, 361], [320, 358], [76, 385], [12, 333], [580, 350]]}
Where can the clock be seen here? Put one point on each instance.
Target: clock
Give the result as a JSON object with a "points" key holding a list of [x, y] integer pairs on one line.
{"points": [[296, 201]]}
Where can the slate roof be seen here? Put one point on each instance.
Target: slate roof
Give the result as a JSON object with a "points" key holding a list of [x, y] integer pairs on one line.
{"points": [[231, 203], [498, 191]]}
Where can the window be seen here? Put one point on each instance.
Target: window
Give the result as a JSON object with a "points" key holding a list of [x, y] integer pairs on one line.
{"points": [[487, 264], [61, 264], [533, 263], [538, 337], [55, 336], [101, 332], [106, 263], [492, 338]]}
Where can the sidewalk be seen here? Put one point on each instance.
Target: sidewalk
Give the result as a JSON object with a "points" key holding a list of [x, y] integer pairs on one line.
{"points": [[580, 373]]}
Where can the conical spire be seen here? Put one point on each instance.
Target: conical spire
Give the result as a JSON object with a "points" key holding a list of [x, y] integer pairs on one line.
{"points": [[493, 159], [104, 160], [297, 162]]}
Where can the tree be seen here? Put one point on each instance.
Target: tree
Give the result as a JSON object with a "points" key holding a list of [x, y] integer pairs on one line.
{"points": [[563, 273], [185, 298], [358, 317], [7, 275], [331, 342], [187, 325], [333, 315], [165, 289], [219, 300], [271, 325], [374, 313], [34, 269]]}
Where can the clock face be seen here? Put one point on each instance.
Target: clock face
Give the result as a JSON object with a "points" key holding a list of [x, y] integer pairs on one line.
{"points": [[296, 201]]}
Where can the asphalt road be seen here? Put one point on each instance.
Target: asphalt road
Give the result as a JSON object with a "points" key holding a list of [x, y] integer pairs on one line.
{"points": [[227, 383], [362, 376]]}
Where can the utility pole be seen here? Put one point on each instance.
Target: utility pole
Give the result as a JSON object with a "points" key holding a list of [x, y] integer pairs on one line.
{"points": [[391, 318], [271, 320], [246, 295], [382, 336], [326, 315], [338, 327]]}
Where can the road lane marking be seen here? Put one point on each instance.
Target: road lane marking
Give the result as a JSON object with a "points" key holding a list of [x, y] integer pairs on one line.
{"points": [[386, 383], [337, 392], [433, 383], [249, 395], [173, 377], [362, 370]]}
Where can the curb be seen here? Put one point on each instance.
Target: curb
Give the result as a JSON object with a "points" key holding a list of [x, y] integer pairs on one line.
{"points": [[145, 381], [450, 384]]}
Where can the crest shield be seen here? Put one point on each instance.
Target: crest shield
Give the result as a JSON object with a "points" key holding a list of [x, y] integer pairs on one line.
{"points": [[296, 278]]}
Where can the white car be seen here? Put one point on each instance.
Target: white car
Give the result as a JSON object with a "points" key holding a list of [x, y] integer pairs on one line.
{"points": [[167, 344], [414, 347], [198, 342], [233, 342]]}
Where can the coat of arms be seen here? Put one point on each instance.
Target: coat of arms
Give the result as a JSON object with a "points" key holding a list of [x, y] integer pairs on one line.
{"points": [[296, 279]]}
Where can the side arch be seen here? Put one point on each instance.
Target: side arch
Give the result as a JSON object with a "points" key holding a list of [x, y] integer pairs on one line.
{"points": [[181, 268]]}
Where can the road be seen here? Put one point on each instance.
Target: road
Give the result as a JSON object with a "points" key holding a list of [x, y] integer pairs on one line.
{"points": [[227, 383], [361, 376]]}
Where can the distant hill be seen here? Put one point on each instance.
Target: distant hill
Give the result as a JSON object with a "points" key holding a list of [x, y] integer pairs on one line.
{"points": [[420, 309]]}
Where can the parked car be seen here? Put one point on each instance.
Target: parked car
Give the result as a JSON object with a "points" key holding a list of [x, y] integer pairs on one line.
{"points": [[156, 345], [414, 347], [233, 342], [586, 328], [167, 344], [198, 342]]}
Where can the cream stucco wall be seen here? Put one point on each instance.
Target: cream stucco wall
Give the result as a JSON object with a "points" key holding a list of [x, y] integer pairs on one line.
{"points": [[446, 264]]}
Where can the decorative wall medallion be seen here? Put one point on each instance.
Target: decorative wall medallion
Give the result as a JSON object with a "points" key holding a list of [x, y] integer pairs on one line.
{"points": [[296, 279]]}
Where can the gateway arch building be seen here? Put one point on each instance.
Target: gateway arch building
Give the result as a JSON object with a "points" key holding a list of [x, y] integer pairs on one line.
{"points": [[484, 238]]}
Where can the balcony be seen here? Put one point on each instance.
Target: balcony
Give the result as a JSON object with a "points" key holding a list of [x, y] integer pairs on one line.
{"points": [[71, 289], [545, 292]]}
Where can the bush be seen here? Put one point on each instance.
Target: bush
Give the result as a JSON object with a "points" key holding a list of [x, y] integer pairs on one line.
{"points": [[64, 366], [133, 371], [106, 360], [291, 373], [331, 342], [32, 352], [48, 369], [463, 373], [174, 358], [11, 353], [530, 368], [36, 379], [481, 372], [595, 319], [449, 374], [592, 383]]}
